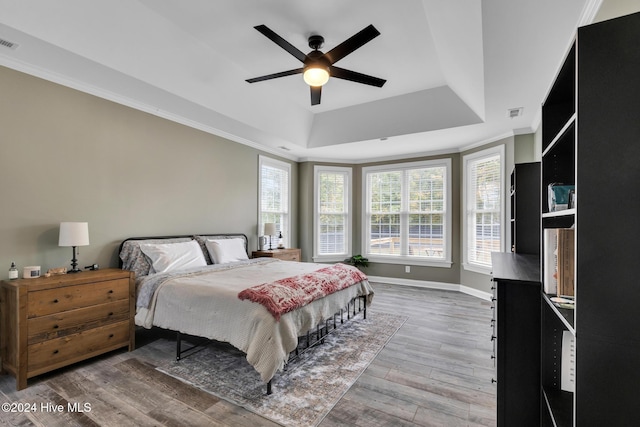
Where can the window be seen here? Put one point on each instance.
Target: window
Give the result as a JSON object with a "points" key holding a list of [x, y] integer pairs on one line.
{"points": [[483, 205], [274, 189], [332, 220], [407, 213]]}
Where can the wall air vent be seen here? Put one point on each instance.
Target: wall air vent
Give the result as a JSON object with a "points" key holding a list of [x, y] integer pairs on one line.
{"points": [[514, 112], [7, 43]]}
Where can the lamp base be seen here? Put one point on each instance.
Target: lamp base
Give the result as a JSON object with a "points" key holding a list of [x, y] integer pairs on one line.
{"points": [[74, 263]]}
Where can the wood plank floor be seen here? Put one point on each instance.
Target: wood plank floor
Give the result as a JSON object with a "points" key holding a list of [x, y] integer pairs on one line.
{"points": [[436, 371]]}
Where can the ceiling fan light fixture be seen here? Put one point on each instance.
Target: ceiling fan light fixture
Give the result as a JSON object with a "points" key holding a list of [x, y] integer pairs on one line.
{"points": [[316, 76]]}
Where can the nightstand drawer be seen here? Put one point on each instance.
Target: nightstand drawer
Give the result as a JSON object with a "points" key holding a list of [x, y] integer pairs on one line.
{"points": [[47, 355], [73, 321], [45, 302], [290, 256]]}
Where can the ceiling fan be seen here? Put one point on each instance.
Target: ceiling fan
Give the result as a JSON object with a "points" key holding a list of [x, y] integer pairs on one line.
{"points": [[318, 66]]}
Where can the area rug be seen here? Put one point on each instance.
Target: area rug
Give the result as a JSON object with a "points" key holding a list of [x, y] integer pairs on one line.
{"points": [[306, 391]]}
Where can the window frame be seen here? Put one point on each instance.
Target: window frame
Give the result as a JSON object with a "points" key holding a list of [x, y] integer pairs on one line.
{"points": [[348, 234], [448, 226], [467, 160], [286, 167]]}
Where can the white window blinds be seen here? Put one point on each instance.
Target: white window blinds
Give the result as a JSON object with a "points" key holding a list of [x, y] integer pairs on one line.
{"points": [[274, 196], [484, 208], [406, 212], [332, 220]]}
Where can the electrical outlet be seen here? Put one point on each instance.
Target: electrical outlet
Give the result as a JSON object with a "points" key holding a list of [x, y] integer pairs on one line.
{"points": [[407, 269]]}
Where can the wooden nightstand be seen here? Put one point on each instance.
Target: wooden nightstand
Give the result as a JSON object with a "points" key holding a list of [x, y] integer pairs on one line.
{"points": [[51, 322], [291, 254]]}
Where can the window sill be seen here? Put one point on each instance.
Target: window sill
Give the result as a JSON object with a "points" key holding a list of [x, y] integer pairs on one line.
{"points": [[409, 261], [477, 269], [330, 258]]}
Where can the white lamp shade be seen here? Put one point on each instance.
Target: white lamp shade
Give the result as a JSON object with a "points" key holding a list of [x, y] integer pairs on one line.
{"points": [[74, 234], [270, 229]]}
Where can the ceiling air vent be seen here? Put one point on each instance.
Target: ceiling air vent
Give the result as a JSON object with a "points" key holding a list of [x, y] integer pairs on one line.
{"points": [[514, 112], [7, 43]]}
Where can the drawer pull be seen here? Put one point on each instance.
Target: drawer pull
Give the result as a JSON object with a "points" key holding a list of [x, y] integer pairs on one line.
{"points": [[55, 351], [55, 326], [110, 335], [55, 301], [493, 337], [111, 314], [110, 291]]}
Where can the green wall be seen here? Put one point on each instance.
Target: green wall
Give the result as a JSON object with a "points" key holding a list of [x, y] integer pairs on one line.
{"points": [[518, 149], [69, 156]]}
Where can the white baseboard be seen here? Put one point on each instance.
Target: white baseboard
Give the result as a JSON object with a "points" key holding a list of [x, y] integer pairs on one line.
{"points": [[433, 285]]}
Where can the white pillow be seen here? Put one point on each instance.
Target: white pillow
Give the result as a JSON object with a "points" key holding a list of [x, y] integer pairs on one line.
{"points": [[226, 250], [173, 256]]}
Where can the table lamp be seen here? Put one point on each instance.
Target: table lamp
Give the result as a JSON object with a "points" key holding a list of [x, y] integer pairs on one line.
{"points": [[74, 234], [270, 230]]}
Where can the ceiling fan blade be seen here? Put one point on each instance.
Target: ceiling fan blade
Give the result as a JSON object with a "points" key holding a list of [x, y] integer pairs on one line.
{"points": [[354, 76], [351, 44], [281, 42], [316, 91], [276, 75]]}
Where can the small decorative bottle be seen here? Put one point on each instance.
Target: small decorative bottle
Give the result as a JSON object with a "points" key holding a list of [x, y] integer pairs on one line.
{"points": [[280, 241], [13, 271]]}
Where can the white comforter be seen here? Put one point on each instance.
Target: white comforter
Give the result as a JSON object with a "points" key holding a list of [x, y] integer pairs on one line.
{"points": [[206, 304]]}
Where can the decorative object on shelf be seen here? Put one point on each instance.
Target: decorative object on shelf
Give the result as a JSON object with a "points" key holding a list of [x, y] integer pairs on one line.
{"points": [[13, 271], [55, 271], [559, 196], [357, 261], [31, 272], [270, 230], [280, 241], [74, 234]]}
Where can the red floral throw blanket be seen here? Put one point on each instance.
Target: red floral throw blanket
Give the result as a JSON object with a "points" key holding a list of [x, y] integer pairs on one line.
{"points": [[285, 295]]}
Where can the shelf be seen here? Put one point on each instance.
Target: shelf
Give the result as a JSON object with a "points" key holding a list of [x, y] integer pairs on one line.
{"points": [[559, 406], [566, 315], [560, 135], [564, 212], [558, 164], [560, 103]]}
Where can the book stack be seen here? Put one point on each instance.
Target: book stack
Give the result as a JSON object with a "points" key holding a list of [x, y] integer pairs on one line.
{"points": [[559, 265]]}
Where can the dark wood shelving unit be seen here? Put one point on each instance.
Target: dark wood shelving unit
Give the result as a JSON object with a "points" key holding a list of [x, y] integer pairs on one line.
{"points": [[517, 329], [590, 139], [525, 208]]}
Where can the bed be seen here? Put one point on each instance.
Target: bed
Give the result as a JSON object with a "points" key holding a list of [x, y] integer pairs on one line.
{"points": [[206, 286]]}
